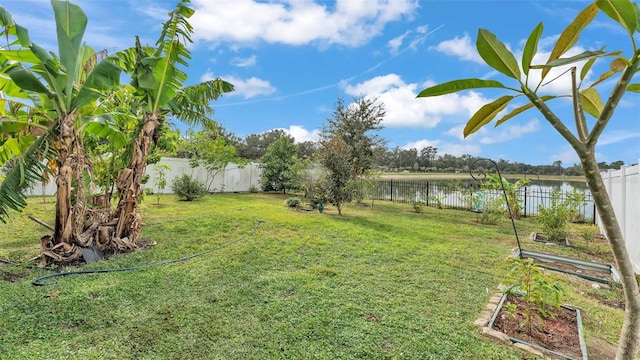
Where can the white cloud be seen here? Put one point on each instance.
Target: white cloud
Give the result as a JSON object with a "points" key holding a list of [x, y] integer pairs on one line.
{"points": [[613, 137], [567, 156], [349, 22], [510, 132], [402, 107], [247, 88], [460, 47], [300, 134], [244, 62]]}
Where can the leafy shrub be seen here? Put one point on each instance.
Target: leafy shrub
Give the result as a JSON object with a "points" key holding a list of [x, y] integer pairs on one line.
{"points": [[188, 188], [553, 220], [574, 201], [292, 202], [253, 189]]}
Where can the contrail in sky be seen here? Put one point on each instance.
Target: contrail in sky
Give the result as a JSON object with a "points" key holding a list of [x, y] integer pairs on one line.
{"points": [[343, 81]]}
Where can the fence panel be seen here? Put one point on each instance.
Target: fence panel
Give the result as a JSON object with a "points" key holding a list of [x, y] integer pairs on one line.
{"points": [[458, 195]]}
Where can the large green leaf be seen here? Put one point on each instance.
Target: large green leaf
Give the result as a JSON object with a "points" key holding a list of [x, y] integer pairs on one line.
{"points": [[105, 76], [522, 109], [485, 114], [634, 88], [71, 23], [591, 102], [586, 55], [104, 126], [459, 85], [22, 55], [26, 80], [531, 47], [496, 54], [621, 11], [571, 34]]}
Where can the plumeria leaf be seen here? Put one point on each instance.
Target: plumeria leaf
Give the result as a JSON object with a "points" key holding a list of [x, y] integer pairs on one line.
{"points": [[459, 85], [570, 35], [496, 54], [485, 114]]}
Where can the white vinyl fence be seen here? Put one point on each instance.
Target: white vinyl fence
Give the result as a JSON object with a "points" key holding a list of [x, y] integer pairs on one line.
{"points": [[231, 179], [623, 187]]}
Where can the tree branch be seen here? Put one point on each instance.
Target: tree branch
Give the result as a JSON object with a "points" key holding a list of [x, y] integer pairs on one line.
{"points": [[614, 98], [581, 121], [553, 119]]}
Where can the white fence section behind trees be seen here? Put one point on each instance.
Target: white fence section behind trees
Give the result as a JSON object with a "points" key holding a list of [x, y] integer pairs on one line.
{"points": [[623, 187], [231, 179]]}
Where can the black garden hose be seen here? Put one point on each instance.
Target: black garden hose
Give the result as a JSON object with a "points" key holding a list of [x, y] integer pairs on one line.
{"points": [[39, 281]]}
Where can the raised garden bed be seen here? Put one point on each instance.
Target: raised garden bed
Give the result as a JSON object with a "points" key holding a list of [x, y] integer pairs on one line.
{"points": [[559, 336], [602, 273], [540, 237]]}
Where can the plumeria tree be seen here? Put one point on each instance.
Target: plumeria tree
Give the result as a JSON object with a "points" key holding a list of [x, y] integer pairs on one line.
{"points": [[587, 102]]}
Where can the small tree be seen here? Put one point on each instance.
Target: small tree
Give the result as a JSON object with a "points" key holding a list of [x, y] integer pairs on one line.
{"points": [[281, 168], [585, 101], [160, 180], [212, 151], [188, 188], [355, 124], [337, 162]]}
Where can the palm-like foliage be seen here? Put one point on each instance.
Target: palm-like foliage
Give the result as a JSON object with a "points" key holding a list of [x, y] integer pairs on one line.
{"points": [[57, 91], [159, 85]]}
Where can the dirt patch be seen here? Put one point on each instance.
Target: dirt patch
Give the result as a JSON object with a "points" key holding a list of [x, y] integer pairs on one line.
{"points": [[601, 349], [12, 276], [558, 333]]}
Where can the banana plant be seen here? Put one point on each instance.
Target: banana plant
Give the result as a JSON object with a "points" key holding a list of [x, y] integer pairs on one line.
{"points": [[61, 91], [586, 101], [159, 86]]}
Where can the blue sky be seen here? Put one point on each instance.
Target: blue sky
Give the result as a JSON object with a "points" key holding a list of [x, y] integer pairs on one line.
{"points": [[291, 60]]}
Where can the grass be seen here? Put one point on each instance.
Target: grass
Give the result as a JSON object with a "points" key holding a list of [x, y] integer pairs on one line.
{"points": [[376, 283]]}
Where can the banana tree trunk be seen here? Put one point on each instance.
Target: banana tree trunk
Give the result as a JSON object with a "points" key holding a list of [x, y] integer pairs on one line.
{"points": [[130, 185], [629, 342]]}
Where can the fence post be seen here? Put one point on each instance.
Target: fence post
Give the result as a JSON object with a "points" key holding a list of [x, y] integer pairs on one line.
{"points": [[391, 182], [427, 193], [525, 201]]}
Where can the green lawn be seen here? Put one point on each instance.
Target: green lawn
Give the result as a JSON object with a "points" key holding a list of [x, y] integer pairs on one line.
{"points": [[376, 283]]}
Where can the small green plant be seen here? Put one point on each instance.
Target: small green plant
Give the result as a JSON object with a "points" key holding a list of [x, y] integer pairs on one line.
{"points": [[412, 198], [538, 289], [437, 199], [253, 189], [553, 219], [160, 180], [188, 188], [588, 232], [292, 202], [575, 200], [490, 209]]}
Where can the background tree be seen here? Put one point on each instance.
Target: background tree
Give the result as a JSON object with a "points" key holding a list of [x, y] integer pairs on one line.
{"points": [[586, 101], [338, 164], [281, 168], [355, 124], [207, 148], [255, 146]]}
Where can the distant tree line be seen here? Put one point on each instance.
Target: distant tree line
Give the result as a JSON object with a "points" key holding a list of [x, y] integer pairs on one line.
{"points": [[254, 146]]}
